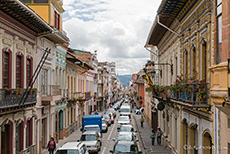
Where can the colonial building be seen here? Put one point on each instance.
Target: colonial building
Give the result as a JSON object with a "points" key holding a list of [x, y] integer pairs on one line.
{"points": [[100, 88], [50, 92], [18, 43], [220, 75], [184, 49]]}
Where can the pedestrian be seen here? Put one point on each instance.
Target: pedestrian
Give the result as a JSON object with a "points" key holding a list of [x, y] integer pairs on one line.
{"points": [[96, 113], [142, 121], [159, 134], [152, 136], [51, 146]]}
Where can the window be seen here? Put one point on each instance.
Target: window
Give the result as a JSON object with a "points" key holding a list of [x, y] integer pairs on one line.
{"points": [[29, 69], [19, 71], [186, 63], [228, 122], [40, 1], [29, 133], [228, 148], [203, 61], [218, 30], [194, 59], [26, 1], [6, 69], [57, 21]]}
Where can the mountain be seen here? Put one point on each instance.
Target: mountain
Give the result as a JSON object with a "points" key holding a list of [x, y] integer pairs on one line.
{"points": [[125, 79]]}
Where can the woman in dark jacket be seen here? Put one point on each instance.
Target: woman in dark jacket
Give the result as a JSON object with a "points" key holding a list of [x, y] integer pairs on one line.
{"points": [[51, 146]]}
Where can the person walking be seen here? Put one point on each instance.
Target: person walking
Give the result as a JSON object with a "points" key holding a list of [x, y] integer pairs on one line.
{"points": [[142, 121], [152, 136], [159, 134], [51, 146]]}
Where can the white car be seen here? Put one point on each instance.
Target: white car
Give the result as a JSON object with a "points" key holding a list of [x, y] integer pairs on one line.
{"points": [[123, 120], [104, 125], [92, 128], [72, 147], [91, 141]]}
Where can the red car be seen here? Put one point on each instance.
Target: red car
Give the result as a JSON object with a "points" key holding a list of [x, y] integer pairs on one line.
{"points": [[107, 119]]}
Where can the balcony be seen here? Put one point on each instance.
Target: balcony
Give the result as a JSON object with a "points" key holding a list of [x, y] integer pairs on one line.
{"points": [[65, 93], [192, 94], [11, 97], [50, 90]]}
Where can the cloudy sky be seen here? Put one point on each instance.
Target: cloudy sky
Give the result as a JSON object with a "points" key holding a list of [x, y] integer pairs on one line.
{"points": [[117, 29]]}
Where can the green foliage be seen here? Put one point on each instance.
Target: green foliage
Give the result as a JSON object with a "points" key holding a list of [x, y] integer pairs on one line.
{"points": [[149, 89]]}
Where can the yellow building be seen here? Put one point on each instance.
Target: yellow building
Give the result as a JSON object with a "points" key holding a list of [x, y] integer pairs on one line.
{"points": [[48, 10], [183, 37]]}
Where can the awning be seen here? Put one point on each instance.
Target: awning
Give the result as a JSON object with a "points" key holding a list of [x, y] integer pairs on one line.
{"points": [[167, 12]]}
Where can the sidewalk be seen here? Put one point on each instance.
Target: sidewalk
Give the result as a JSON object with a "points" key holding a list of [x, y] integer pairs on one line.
{"points": [[145, 139], [71, 138], [76, 135]]}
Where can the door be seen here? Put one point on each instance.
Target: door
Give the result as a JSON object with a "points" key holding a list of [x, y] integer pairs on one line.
{"points": [[155, 119], [44, 139], [60, 124]]}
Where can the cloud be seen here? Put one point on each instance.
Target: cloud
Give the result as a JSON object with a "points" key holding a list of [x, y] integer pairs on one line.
{"points": [[117, 29]]}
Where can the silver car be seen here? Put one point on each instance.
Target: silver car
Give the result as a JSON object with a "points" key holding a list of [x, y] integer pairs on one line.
{"points": [[104, 125], [92, 141], [72, 148], [123, 120]]}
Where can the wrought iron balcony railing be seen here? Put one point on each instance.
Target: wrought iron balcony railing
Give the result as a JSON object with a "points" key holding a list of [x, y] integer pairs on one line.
{"points": [[11, 97], [191, 93]]}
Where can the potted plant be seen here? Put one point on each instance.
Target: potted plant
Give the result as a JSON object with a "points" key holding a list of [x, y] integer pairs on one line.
{"points": [[8, 91], [34, 91], [148, 89], [16, 91], [21, 91], [201, 96]]}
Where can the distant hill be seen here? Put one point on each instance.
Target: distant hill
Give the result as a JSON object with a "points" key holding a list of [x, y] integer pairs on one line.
{"points": [[125, 79]]}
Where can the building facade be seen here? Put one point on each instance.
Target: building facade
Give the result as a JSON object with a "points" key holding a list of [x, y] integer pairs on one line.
{"points": [[220, 75], [184, 108]]}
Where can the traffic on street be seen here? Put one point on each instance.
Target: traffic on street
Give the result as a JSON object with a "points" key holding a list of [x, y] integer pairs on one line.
{"points": [[118, 136]]}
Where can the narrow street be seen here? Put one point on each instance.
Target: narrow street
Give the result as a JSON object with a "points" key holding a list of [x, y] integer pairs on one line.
{"points": [[144, 142]]}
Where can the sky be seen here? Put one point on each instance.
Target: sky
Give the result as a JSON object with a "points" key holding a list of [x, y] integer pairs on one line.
{"points": [[117, 29]]}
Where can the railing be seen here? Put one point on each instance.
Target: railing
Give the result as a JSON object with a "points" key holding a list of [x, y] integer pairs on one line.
{"points": [[50, 90], [65, 93], [191, 93], [11, 97]]}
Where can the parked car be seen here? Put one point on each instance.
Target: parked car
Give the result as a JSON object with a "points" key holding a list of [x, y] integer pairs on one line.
{"points": [[123, 120], [107, 119], [104, 125], [125, 136], [125, 147], [141, 110], [92, 141], [72, 147], [95, 128], [113, 111], [127, 128]]}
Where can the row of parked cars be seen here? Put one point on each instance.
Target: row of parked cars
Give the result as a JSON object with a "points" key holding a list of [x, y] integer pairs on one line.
{"points": [[126, 141], [93, 127]]}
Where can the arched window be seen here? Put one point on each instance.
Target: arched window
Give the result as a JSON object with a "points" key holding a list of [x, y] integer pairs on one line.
{"points": [[6, 68], [19, 71], [29, 69]]}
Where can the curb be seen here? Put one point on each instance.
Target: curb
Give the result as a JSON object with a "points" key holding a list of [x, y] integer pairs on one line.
{"points": [[141, 140]]}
